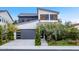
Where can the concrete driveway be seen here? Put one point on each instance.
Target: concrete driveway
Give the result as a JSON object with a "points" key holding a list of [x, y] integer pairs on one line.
{"points": [[23, 44], [18, 43]]}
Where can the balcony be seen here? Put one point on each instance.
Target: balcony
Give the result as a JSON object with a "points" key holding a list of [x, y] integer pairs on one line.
{"points": [[48, 20]]}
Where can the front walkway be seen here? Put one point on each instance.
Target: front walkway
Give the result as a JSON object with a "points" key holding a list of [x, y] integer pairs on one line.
{"points": [[43, 42]]}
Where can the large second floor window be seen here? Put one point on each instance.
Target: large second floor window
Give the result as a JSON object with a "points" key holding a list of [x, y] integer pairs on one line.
{"points": [[44, 17], [53, 17]]}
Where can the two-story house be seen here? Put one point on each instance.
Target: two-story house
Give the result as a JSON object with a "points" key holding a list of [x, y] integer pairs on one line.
{"points": [[27, 22]]}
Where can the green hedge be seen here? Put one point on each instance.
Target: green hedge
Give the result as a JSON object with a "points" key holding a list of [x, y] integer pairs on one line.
{"points": [[37, 38], [10, 35], [1, 35]]}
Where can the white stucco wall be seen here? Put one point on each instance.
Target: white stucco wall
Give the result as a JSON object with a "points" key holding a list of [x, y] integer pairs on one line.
{"points": [[14, 35], [48, 20], [2, 23], [28, 25], [45, 12]]}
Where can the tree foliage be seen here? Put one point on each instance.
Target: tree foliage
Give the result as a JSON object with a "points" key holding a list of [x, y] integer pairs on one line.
{"points": [[59, 31]]}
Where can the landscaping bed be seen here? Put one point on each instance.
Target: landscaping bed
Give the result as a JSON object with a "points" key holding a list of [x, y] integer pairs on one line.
{"points": [[7, 33], [58, 34], [62, 43]]}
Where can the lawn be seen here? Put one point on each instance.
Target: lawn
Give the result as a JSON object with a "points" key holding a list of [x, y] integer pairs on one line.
{"points": [[62, 43]]}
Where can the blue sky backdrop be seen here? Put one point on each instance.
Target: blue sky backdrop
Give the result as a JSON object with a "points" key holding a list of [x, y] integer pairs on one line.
{"points": [[66, 13]]}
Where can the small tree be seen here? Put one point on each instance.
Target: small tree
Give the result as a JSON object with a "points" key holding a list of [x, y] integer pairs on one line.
{"points": [[37, 38], [5, 33], [1, 42], [11, 29]]}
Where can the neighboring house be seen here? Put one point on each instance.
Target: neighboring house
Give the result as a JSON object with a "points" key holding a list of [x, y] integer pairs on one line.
{"points": [[76, 25], [5, 17], [27, 22]]}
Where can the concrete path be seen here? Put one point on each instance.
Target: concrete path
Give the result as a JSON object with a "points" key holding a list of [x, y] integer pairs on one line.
{"points": [[43, 42]]}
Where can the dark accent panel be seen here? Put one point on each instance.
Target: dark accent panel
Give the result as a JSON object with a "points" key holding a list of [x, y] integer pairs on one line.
{"points": [[27, 18], [18, 34]]}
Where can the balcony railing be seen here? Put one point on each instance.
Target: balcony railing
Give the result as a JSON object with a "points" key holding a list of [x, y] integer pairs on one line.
{"points": [[49, 20]]}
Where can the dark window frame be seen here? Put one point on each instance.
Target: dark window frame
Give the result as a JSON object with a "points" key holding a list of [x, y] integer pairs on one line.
{"points": [[53, 17], [44, 15]]}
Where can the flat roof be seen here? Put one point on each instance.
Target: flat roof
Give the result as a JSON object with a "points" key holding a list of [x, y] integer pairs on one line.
{"points": [[27, 14]]}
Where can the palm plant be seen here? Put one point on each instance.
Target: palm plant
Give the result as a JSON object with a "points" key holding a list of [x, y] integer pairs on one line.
{"points": [[11, 28]]}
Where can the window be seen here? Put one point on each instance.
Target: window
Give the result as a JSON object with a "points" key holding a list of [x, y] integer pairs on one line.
{"points": [[53, 17], [44, 17], [0, 20]]}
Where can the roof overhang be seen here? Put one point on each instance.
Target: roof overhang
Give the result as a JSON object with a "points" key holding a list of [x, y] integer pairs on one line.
{"points": [[47, 10]]}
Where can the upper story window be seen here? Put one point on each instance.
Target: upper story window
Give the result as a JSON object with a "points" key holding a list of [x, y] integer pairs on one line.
{"points": [[2, 20], [53, 17], [44, 16]]}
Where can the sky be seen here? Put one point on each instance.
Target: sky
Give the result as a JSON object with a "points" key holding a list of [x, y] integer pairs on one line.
{"points": [[65, 13]]}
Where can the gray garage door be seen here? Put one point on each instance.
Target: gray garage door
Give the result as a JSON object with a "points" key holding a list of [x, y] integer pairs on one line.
{"points": [[25, 34]]}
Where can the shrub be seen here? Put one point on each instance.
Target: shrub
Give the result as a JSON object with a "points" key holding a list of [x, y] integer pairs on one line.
{"points": [[1, 42], [37, 38], [5, 38], [59, 31], [10, 35], [51, 43], [71, 42], [11, 28]]}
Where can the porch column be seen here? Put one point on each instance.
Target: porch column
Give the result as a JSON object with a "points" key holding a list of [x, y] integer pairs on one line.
{"points": [[39, 17], [14, 35], [49, 17]]}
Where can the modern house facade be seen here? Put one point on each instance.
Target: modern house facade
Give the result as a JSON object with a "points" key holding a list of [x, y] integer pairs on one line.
{"points": [[27, 22]]}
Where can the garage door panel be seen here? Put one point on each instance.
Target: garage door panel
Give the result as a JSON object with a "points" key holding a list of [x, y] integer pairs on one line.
{"points": [[27, 33]]}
